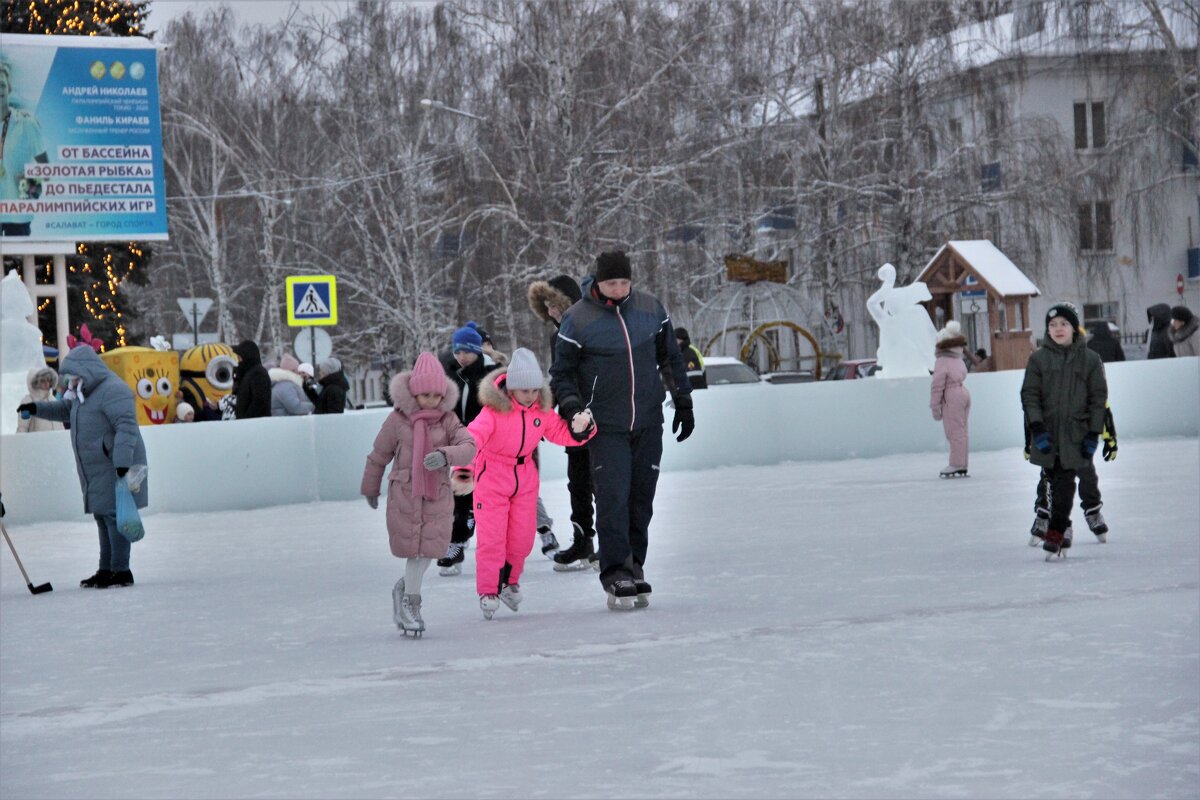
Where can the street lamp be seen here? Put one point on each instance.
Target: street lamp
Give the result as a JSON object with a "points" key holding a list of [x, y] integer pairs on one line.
{"points": [[438, 105]]}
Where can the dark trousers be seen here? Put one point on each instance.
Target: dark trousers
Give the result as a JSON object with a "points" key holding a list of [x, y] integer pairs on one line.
{"points": [[114, 548], [579, 484], [1061, 487], [1089, 491], [624, 477], [464, 518]]}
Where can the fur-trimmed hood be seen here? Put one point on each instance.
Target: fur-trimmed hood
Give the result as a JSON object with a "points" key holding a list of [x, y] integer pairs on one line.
{"points": [[540, 293], [950, 341], [404, 401], [493, 393], [278, 374]]}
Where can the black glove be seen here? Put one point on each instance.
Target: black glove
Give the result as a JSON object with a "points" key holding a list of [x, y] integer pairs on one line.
{"points": [[27, 408], [1090, 443], [684, 418], [1040, 436], [568, 410], [121, 471], [1110, 448]]}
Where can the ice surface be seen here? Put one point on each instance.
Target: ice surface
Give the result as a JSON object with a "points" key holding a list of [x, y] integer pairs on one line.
{"points": [[906, 334], [850, 628], [20, 347]]}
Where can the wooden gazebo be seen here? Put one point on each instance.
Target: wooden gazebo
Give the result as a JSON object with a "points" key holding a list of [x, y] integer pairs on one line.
{"points": [[970, 279]]}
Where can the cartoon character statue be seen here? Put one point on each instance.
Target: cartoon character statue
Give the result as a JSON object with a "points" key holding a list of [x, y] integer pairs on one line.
{"points": [[153, 375], [206, 372]]}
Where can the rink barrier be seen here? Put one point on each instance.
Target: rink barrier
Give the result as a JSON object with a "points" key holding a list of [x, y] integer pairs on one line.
{"points": [[285, 460]]}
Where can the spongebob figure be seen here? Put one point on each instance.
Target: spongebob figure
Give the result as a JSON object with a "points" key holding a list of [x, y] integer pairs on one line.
{"points": [[153, 375]]}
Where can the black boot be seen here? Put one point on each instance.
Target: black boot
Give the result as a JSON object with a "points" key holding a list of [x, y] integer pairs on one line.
{"points": [[121, 578], [101, 580], [578, 554]]}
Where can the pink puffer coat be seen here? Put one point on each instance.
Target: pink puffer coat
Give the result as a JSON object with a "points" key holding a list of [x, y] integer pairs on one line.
{"points": [[417, 527]]}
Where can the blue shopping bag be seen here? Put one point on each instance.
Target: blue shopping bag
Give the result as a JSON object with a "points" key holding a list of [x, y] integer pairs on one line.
{"points": [[129, 522]]}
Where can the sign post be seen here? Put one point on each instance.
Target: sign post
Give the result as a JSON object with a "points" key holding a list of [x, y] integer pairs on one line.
{"points": [[312, 301], [194, 308], [1179, 284]]}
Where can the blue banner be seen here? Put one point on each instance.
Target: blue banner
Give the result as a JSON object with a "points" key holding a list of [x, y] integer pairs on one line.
{"points": [[81, 153]]}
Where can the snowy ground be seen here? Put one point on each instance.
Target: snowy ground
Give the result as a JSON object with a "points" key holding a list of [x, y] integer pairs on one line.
{"points": [[832, 629]]}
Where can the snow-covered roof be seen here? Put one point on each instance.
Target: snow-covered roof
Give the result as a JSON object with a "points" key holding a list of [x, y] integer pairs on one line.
{"points": [[990, 264]]}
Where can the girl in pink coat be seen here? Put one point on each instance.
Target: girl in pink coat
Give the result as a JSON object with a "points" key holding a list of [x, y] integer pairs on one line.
{"points": [[949, 399], [420, 438], [517, 414]]}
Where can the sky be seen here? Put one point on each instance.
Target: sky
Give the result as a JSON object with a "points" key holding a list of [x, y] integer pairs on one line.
{"points": [[855, 628]]}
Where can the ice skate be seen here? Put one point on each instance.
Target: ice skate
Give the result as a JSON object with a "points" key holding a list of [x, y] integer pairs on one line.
{"points": [[575, 557], [451, 563], [549, 542], [1056, 543], [1038, 531], [414, 608], [1096, 523], [488, 603], [953, 472], [622, 595], [511, 596], [643, 594]]}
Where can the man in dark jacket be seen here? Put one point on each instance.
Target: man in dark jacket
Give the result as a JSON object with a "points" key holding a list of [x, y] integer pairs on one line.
{"points": [[330, 398], [251, 383], [464, 365], [1104, 343], [615, 349], [1159, 317], [691, 359]]}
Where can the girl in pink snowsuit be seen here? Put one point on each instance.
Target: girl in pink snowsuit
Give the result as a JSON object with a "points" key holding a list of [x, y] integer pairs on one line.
{"points": [[949, 399], [517, 414]]}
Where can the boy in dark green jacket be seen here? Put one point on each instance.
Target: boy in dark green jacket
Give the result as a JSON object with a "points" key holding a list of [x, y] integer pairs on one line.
{"points": [[1064, 393]]}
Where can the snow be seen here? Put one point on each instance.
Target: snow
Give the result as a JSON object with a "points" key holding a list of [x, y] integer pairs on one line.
{"points": [[906, 334], [997, 271], [20, 347], [850, 628]]}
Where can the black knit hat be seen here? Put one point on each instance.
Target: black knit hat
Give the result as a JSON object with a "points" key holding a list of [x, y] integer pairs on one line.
{"points": [[613, 264], [567, 285], [1067, 311], [1183, 314], [682, 334]]}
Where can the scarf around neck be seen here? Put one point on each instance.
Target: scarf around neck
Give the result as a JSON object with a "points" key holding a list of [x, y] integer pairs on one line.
{"points": [[425, 481]]}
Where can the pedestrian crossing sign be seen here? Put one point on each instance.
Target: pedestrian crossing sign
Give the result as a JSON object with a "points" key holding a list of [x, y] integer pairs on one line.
{"points": [[311, 300]]}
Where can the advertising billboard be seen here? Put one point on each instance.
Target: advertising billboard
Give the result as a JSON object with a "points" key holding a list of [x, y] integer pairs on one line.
{"points": [[81, 145]]}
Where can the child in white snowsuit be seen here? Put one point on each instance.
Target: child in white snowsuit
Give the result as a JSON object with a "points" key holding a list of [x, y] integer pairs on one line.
{"points": [[420, 438]]}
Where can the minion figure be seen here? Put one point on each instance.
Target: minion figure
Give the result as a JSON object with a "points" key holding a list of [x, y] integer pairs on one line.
{"points": [[153, 375], [206, 374]]}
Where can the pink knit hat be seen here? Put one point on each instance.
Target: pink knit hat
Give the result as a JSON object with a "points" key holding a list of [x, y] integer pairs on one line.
{"points": [[427, 376], [289, 362]]}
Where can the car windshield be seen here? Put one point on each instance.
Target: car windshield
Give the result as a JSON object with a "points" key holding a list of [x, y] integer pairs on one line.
{"points": [[729, 373]]}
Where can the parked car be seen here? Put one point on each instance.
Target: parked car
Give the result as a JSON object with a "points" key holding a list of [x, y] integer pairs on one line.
{"points": [[853, 369], [802, 376], [721, 370]]}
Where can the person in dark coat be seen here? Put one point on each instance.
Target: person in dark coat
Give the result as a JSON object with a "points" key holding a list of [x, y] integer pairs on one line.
{"points": [[1159, 317], [465, 367], [550, 300], [330, 398], [107, 443], [1104, 343], [1064, 394], [251, 383], [691, 359], [616, 349]]}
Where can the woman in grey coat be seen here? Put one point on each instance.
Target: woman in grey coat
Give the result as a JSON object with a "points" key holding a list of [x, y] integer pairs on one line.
{"points": [[107, 442]]}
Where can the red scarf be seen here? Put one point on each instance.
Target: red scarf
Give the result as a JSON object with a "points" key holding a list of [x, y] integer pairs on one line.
{"points": [[425, 481]]}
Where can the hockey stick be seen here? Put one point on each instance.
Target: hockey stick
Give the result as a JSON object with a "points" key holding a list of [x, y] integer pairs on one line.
{"points": [[45, 587]]}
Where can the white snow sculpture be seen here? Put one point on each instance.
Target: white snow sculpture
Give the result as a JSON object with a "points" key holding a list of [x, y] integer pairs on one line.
{"points": [[906, 334], [20, 347]]}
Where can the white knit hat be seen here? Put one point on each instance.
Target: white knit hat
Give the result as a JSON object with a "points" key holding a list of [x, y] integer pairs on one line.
{"points": [[524, 371], [951, 331]]}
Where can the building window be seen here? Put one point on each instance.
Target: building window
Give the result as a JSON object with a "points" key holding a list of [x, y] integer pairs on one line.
{"points": [[956, 132], [1095, 227], [989, 177], [1107, 310], [994, 229], [1029, 18], [1089, 120]]}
